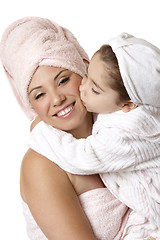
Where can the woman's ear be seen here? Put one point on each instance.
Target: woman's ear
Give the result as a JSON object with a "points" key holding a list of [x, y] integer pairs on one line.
{"points": [[128, 106]]}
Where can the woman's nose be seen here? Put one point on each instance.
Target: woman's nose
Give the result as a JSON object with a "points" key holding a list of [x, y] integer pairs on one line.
{"points": [[57, 99]]}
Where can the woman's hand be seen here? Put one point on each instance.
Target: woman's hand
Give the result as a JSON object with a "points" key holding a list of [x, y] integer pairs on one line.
{"points": [[34, 123]]}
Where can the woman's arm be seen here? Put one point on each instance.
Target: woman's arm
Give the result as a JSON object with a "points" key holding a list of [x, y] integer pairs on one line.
{"points": [[52, 200]]}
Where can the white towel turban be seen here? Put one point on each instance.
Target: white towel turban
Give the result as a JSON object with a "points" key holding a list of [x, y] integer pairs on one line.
{"points": [[139, 63]]}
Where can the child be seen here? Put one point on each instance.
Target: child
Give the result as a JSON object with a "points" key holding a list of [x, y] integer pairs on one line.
{"points": [[123, 85]]}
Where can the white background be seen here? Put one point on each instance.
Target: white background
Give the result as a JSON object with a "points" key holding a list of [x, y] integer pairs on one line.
{"points": [[92, 22]]}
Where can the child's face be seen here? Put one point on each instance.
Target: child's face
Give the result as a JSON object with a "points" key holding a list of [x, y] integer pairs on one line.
{"points": [[95, 91]]}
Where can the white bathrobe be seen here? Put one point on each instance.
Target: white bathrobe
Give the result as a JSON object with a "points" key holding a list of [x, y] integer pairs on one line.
{"points": [[125, 149]]}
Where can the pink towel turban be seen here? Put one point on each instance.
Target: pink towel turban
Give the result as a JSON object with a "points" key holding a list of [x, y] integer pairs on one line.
{"points": [[31, 42], [139, 63]]}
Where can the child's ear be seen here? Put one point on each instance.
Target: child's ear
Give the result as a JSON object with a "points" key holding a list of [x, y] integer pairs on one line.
{"points": [[128, 106]]}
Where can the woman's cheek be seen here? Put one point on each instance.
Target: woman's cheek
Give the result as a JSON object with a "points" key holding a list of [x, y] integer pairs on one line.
{"points": [[73, 89], [41, 107]]}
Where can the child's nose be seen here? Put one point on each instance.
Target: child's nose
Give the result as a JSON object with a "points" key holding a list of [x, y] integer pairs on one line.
{"points": [[82, 86], [84, 79]]}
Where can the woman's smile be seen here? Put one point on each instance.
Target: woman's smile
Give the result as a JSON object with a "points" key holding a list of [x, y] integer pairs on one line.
{"points": [[65, 112]]}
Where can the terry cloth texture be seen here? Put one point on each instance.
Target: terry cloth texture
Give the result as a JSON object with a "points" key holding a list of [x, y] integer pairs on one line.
{"points": [[31, 42], [139, 64], [124, 149], [106, 214]]}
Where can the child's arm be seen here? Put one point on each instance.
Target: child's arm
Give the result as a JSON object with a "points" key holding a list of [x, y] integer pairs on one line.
{"points": [[103, 152]]}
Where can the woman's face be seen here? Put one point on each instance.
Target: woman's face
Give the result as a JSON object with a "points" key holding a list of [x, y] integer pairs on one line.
{"points": [[54, 95]]}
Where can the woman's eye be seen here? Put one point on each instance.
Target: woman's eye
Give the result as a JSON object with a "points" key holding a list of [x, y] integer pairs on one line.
{"points": [[39, 95], [63, 81], [94, 91]]}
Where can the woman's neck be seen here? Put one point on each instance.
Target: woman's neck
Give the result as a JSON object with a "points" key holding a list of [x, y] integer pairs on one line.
{"points": [[85, 129]]}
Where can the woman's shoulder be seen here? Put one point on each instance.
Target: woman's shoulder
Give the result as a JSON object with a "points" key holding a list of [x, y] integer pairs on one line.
{"points": [[33, 161], [35, 172]]}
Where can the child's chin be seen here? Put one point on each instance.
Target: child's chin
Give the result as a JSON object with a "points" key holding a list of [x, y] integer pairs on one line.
{"points": [[89, 109]]}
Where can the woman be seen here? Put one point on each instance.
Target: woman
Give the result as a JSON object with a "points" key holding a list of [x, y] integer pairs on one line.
{"points": [[45, 65]]}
